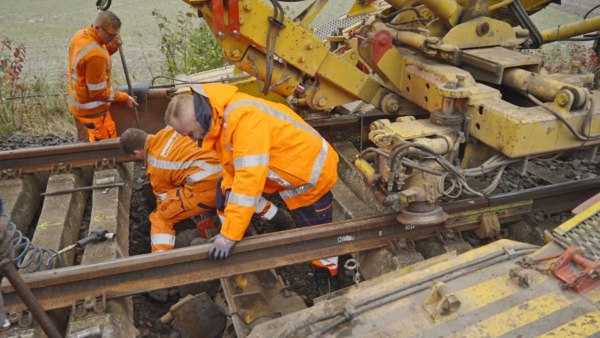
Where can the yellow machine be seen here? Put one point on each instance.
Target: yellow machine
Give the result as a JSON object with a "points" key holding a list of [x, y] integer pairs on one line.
{"points": [[464, 97]]}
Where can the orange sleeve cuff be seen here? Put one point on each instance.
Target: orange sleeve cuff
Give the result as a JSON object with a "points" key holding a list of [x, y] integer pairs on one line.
{"points": [[121, 96]]}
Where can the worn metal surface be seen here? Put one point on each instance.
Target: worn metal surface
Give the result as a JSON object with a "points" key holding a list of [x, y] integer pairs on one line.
{"points": [[583, 232], [492, 305]]}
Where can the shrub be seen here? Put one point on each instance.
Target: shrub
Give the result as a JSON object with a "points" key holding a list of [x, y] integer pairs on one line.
{"points": [[558, 56], [188, 45], [30, 105]]}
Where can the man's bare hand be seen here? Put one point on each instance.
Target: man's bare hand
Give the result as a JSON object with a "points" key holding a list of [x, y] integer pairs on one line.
{"points": [[118, 40], [131, 101]]}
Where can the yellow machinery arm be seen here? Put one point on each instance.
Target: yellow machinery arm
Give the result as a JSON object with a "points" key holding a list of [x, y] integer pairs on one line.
{"points": [[460, 63]]}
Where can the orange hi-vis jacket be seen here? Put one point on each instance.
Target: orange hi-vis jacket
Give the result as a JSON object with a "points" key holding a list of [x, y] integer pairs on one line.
{"points": [[90, 66], [175, 161], [264, 147]]}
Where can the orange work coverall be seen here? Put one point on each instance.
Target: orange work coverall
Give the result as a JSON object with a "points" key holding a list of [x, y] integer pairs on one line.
{"points": [[183, 178], [90, 90], [264, 147]]}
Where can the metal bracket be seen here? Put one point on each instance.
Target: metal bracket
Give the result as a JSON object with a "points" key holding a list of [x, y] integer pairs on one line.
{"points": [[489, 226], [106, 164], [402, 245], [10, 174], [521, 276], [81, 306], [23, 318], [61, 168], [440, 302], [450, 234], [512, 254], [521, 166], [26, 320]]}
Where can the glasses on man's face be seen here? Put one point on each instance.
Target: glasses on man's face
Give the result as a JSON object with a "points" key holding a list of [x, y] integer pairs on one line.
{"points": [[112, 36]]}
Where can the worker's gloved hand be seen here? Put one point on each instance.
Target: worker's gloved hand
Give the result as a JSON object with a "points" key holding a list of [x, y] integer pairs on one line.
{"points": [[118, 40], [131, 102], [221, 247]]}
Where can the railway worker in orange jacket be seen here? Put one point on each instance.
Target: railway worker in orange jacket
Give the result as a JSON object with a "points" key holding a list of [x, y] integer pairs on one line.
{"points": [[263, 147], [90, 66], [183, 178]]}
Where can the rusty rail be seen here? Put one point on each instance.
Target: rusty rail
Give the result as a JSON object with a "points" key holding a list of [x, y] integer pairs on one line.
{"points": [[137, 274], [78, 155], [65, 157]]}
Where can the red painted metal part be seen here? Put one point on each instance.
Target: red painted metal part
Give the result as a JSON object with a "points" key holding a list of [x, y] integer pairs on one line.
{"points": [[218, 17], [234, 15], [381, 42], [579, 279]]}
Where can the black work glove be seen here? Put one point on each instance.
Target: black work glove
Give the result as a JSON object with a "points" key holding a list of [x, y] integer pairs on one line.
{"points": [[221, 247]]}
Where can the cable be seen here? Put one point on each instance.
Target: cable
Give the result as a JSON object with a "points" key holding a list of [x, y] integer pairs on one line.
{"points": [[524, 21], [590, 11], [558, 115], [23, 246], [388, 18]]}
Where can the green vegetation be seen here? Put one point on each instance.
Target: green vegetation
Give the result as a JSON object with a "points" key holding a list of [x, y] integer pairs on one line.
{"points": [[187, 44], [29, 105]]}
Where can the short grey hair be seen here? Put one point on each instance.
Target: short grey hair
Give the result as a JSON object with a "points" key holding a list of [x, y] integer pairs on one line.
{"points": [[107, 19]]}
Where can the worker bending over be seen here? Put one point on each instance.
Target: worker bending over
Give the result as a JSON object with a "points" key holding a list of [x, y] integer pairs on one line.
{"points": [[263, 147], [90, 65], [183, 179]]}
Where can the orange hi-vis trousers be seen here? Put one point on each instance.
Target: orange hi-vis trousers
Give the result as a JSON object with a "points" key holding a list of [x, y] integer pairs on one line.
{"points": [[99, 128], [178, 205]]}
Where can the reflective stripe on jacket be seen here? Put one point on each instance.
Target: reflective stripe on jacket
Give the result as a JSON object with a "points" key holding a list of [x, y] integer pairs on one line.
{"points": [[175, 161], [264, 147], [90, 67]]}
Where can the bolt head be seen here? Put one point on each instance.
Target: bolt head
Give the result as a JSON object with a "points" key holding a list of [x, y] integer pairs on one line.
{"points": [[248, 7], [562, 99], [309, 46]]}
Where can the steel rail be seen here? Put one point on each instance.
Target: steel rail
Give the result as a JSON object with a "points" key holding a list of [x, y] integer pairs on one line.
{"points": [[86, 154], [133, 275], [76, 155]]}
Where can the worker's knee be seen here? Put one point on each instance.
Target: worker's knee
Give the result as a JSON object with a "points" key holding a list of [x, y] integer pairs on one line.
{"points": [[320, 212]]}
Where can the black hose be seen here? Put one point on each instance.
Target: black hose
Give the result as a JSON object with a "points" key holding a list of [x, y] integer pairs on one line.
{"points": [[388, 18], [524, 21], [590, 11]]}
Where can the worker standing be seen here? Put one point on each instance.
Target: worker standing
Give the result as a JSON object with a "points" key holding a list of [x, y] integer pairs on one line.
{"points": [[90, 66], [263, 147]]}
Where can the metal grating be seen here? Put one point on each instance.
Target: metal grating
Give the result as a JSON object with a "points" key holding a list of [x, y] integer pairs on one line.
{"points": [[324, 31], [585, 236]]}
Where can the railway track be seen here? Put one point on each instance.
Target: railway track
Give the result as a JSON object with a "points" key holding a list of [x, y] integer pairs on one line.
{"points": [[106, 273]]}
